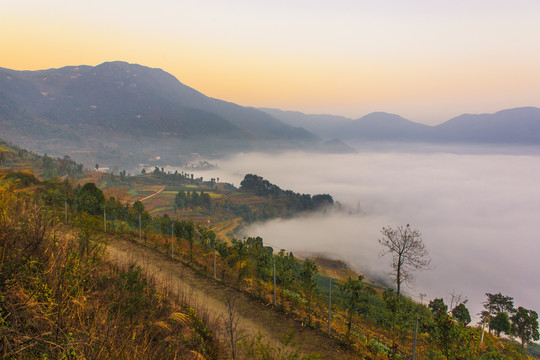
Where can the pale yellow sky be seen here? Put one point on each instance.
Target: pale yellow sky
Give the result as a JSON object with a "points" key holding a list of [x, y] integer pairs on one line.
{"points": [[425, 60]]}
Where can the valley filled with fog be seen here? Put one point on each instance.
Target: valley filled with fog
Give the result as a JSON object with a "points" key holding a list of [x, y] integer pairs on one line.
{"points": [[479, 214]]}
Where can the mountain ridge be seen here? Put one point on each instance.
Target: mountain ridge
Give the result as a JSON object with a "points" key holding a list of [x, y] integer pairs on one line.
{"points": [[517, 126], [91, 86], [117, 111], [116, 106]]}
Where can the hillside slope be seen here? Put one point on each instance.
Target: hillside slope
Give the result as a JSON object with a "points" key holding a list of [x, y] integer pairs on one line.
{"points": [[518, 126], [253, 317], [187, 256], [512, 126], [119, 105]]}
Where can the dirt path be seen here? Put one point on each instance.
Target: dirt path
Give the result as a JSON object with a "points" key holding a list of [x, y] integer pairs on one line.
{"points": [[152, 195], [253, 317]]}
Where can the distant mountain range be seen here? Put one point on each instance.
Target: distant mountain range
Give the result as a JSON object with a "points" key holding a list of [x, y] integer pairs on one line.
{"points": [[519, 126], [120, 108], [119, 113]]}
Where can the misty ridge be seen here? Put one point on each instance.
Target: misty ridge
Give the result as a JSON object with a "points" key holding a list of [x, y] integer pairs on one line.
{"points": [[477, 214], [131, 112], [121, 114], [469, 184], [517, 126]]}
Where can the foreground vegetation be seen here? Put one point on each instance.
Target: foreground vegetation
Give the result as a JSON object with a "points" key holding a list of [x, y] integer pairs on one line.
{"points": [[375, 324], [59, 298]]}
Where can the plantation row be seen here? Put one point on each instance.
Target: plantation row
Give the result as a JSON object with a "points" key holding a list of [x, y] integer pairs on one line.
{"points": [[59, 298], [375, 324]]}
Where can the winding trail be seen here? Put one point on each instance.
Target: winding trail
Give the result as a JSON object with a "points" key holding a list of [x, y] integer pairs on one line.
{"points": [[253, 317], [152, 195]]}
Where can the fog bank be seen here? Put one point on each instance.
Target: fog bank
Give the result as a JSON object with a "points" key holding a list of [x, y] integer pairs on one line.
{"points": [[479, 215]]}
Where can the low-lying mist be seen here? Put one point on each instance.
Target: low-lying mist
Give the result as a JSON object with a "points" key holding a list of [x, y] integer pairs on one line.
{"points": [[479, 215]]}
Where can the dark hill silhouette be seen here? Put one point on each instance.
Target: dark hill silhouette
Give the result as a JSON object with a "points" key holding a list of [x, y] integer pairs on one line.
{"points": [[118, 94], [119, 104]]}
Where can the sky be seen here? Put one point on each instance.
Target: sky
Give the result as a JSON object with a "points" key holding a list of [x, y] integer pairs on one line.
{"points": [[426, 60]]}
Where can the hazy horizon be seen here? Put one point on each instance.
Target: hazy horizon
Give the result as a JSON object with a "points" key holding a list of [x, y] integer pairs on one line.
{"points": [[426, 61], [352, 116], [477, 214]]}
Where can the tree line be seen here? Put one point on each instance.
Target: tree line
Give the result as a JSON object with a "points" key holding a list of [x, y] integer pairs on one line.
{"points": [[448, 329], [50, 167], [192, 199], [302, 202]]}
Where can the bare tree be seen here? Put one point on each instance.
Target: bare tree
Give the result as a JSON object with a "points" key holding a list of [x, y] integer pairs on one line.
{"points": [[456, 299], [231, 332], [408, 253]]}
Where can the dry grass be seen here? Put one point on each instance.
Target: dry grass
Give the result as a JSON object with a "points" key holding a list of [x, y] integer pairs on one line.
{"points": [[59, 299]]}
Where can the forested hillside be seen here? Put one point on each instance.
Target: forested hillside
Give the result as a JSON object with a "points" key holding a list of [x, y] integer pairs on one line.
{"points": [[123, 113]]}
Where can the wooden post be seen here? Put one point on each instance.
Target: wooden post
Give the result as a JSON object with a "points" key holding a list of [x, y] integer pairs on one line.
{"points": [[488, 321]]}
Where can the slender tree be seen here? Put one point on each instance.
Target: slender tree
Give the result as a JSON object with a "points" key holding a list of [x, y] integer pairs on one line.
{"points": [[438, 306], [286, 269], [461, 314], [525, 325], [499, 303], [90, 199], [500, 324], [309, 284], [452, 338], [408, 252], [191, 233], [238, 260], [495, 304], [353, 290]]}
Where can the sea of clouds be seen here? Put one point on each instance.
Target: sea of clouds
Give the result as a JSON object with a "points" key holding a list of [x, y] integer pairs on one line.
{"points": [[478, 212]]}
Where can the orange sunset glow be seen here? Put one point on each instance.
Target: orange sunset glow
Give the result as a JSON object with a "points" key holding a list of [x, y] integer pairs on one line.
{"points": [[425, 61]]}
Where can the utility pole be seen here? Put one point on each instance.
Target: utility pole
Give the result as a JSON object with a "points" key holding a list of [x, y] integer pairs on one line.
{"points": [[483, 329], [65, 209], [488, 320], [329, 305], [105, 219]]}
